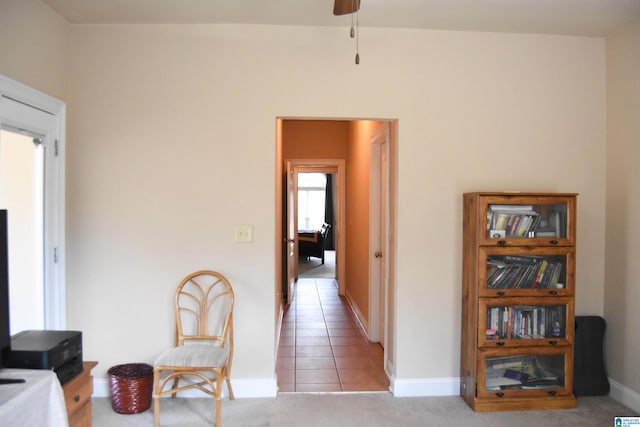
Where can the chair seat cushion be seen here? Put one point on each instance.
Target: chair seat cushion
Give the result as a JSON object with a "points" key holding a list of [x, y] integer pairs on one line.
{"points": [[194, 355]]}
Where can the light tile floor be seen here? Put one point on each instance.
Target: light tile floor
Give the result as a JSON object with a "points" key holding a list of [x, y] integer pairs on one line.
{"points": [[322, 348]]}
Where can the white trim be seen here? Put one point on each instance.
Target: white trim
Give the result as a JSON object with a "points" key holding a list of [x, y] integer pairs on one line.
{"points": [[263, 387], [624, 395], [360, 318], [242, 388], [54, 203], [29, 95], [278, 331], [421, 387]]}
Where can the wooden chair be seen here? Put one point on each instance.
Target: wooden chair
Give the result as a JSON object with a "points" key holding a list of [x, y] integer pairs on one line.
{"points": [[201, 358]]}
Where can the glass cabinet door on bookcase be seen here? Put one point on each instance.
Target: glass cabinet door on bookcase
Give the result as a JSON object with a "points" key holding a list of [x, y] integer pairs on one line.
{"points": [[545, 372], [532, 221], [518, 322], [517, 271]]}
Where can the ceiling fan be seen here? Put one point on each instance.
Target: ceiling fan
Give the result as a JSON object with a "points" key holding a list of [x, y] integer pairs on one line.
{"points": [[345, 7]]}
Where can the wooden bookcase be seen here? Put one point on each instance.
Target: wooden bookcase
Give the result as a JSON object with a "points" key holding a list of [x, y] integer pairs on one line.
{"points": [[518, 301]]}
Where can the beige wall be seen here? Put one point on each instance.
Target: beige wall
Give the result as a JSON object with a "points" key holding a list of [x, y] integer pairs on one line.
{"points": [[171, 143], [33, 45], [622, 277]]}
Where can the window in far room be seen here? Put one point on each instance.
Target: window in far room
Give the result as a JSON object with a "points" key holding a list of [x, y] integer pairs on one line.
{"points": [[311, 200]]}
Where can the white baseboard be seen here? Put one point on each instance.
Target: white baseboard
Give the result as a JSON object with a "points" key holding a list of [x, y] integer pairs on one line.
{"points": [[399, 388], [425, 387], [624, 395], [241, 388], [360, 319]]}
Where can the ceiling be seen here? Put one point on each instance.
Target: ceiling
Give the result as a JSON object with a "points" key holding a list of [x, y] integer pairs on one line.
{"points": [[568, 17]]}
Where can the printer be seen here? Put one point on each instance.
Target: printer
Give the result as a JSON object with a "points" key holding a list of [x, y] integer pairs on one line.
{"points": [[60, 351]]}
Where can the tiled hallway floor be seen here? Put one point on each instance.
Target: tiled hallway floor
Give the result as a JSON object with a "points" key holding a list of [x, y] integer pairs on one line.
{"points": [[322, 348]]}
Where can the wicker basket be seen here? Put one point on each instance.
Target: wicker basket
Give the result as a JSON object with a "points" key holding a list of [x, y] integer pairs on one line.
{"points": [[131, 386]]}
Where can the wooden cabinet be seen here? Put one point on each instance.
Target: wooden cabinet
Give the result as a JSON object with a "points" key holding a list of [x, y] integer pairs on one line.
{"points": [[77, 396], [518, 301]]}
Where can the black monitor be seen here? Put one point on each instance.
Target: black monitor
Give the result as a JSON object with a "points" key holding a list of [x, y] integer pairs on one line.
{"points": [[5, 334]]}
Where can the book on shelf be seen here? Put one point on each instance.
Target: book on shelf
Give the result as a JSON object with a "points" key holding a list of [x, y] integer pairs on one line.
{"points": [[516, 375]]}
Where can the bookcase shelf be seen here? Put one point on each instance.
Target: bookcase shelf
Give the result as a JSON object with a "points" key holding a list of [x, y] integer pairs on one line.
{"points": [[518, 301]]}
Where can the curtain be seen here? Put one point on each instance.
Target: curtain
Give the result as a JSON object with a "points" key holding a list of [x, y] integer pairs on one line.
{"points": [[329, 214]]}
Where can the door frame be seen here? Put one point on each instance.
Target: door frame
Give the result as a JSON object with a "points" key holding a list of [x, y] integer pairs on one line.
{"points": [[15, 96], [336, 167]]}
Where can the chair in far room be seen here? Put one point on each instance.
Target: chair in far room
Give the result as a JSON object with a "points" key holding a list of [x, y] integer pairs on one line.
{"points": [[201, 358], [311, 243]]}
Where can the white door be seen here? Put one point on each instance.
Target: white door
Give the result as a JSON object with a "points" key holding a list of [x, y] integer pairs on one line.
{"points": [[378, 232], [292, 227], [32, 134]]}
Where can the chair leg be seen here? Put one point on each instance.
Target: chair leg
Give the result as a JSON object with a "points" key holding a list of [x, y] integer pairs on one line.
{"points": [[229, 389], [156, 398], [175, 386], [156, 411], [219, 383]]}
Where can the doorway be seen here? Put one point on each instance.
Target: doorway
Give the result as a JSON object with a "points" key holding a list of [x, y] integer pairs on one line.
{"points": [[316, 209], [32, 143], [22, 195], [313, 232], [315, 141]]}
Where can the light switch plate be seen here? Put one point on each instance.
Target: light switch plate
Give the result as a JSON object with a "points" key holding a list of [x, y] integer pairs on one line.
{"points": [[243, 233]]}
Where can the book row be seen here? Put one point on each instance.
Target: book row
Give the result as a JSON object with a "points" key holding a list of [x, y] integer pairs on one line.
{"points": [[524, 272], [519, 221], [525, 322]]}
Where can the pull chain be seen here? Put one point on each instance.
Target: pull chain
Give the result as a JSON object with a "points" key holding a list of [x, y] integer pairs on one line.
{"points": [[357, 39], [355, 32]]}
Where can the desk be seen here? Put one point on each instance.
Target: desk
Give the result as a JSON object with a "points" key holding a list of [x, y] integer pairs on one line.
{"points": [[39, 401], [77, 394]]}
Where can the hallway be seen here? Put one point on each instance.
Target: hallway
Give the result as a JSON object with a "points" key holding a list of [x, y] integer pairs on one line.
{"points": [[322, 348]]}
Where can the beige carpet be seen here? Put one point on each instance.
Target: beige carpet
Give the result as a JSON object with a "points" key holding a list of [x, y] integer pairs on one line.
{"points": [[313, 267], [356, 410]]}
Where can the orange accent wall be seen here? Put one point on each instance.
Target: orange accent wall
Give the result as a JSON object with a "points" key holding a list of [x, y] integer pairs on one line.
{"points": [[357, 224], [315, 139]]}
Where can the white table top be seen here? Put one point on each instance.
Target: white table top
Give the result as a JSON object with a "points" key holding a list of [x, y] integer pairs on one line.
{"points": [[39, 401]]}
